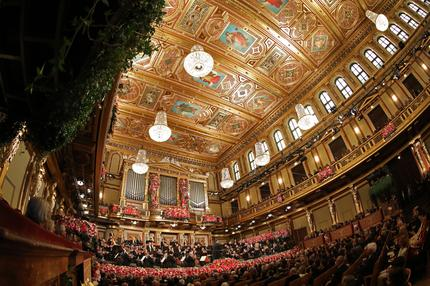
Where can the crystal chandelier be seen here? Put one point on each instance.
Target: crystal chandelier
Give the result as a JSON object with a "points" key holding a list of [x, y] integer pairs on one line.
{"points": [[140, 167], [198, 63], [160, 132], [262, 157], [306, 121], [380, 20], [226, 181]]}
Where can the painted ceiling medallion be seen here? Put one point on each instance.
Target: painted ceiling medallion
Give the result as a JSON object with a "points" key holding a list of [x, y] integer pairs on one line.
{"points": [[198, 63]]}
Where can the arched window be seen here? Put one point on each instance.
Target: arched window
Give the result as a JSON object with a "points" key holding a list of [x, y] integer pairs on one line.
{"points": [[359, 73], [426, 2], [327, 101], [387, 45], [408, 20], [417, 9], [236, 171], [399, 32], [294, 128], [374, 58], [251, 160], [309, 110], [343, 87], [279, 141]]}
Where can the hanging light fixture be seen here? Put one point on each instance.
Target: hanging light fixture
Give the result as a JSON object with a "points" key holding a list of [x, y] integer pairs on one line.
{"points": [[226, 181], [198, 63], [160, 132], [306, 121], [380, 20], [262, 157], [140, 167]]}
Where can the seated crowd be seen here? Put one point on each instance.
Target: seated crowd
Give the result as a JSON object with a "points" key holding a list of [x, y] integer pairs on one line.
{"points": [[392, 252]]}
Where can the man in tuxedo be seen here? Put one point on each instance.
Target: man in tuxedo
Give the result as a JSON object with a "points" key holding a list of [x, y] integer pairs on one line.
{"points": [[150, 246], [190, 260]]}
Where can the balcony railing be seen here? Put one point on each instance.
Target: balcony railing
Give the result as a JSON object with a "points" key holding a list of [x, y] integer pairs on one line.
{"points": [[355, 156]]}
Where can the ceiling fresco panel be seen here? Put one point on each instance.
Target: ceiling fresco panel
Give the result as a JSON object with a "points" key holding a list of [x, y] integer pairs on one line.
{"points": [[265, 52]]}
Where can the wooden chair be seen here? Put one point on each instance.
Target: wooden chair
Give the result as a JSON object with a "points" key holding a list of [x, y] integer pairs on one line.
{"points": [[301, 281], [257, 283], [324, 277], [243, 283], [279, 282]]}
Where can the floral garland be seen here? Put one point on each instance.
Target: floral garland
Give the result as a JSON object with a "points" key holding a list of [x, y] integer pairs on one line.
{"points": [[265, 236], [114, 209], [185, 196], [78, 226], [176, 213], [154, 184], [220, 265], [326, 172], [131, 211], [211, 218], [388, 130]]}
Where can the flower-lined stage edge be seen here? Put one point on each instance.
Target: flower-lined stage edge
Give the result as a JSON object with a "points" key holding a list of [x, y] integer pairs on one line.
{"points": [[220, 265], [265, 236]]}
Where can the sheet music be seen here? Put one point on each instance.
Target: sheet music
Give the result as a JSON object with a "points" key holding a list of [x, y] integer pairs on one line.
{"points": [[182, 259], [143, 258], [203, 258]]}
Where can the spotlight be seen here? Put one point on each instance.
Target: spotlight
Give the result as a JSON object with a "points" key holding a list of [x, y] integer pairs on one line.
{"points": [[399, 157], [89, 191], [80, 183], [288, 207], [134, 222], [226, 230]]}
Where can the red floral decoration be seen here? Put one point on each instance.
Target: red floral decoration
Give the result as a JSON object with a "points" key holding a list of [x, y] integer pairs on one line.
{"points": [[326, 172], [211, 218], [176, 213], [265, 236], [78, 226], [220, 265], [388, 130], [154, 184], [131, 211], [185, 195], [114, 209], [103, 210]]}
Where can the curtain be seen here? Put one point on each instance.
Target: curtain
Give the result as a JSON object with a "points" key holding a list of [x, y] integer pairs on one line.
{"points": [[197, 195], [168, 191], [135, 186]]}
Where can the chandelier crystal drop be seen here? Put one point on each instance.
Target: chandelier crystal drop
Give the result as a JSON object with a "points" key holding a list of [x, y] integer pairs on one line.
{"points": [[262, 157], [306, 121], [380, 20], [140, 167], [198, 63], [226, 181], [160, 132]]}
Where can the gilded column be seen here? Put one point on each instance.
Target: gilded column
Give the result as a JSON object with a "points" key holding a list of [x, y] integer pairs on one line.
{"points": [[357, 201], [332, 209], [122, 199], [310, 218], [421, 156]]}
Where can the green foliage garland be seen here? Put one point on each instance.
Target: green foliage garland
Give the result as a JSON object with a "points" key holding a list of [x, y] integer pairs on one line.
{"points": [[64, 111]]}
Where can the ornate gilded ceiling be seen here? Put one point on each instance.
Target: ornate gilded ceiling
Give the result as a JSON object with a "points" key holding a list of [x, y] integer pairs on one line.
{"points": [[264, 52]]}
